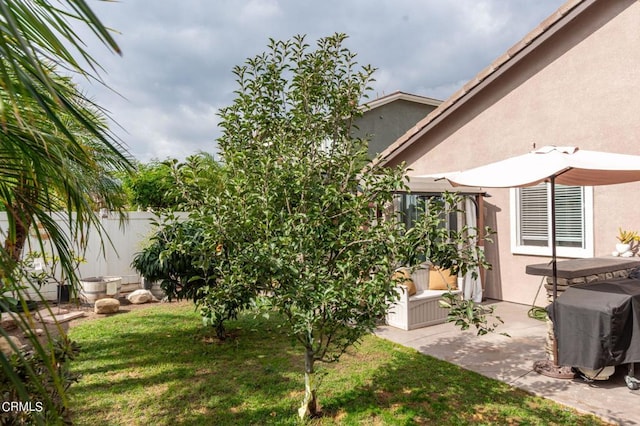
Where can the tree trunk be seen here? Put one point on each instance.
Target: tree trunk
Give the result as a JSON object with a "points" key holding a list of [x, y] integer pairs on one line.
{"points": [[220, 330], [15, 211], [14, 247], [309, 407]]}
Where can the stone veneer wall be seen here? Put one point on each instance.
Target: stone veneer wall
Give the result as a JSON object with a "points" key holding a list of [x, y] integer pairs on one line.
{"points": [[565, 283]]}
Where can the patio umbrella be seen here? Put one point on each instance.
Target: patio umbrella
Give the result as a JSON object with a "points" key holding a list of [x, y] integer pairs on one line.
{"points": [[563, 165], [557, 165]]}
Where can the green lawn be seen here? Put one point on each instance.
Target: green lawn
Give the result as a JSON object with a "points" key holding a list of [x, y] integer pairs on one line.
{"points": [[159, 366]]}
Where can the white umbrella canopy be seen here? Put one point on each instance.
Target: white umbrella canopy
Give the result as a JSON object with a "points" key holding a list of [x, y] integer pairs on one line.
{"points": [[564, 165]]}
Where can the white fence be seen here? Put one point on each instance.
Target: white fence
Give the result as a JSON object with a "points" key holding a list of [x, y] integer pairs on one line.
{"points": [[104, 258]]}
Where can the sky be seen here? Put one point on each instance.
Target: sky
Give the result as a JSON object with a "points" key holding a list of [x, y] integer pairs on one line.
{"points": [[175, 71]]}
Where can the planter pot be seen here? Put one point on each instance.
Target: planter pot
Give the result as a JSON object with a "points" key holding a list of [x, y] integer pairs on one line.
{"points": [[623, 248], [63, 293], [154, 288], [157, 291], [96, 288]]}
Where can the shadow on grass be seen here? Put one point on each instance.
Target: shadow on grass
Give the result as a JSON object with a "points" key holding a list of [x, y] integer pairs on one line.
{"points": [[418, 389], [162, 367], [166, 368]]}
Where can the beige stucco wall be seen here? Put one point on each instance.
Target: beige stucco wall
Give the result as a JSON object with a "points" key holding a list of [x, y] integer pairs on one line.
{"points": [[579, 87]]}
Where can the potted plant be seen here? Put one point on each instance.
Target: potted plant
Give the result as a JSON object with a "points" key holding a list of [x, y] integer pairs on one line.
{"points": [[626, 239]]}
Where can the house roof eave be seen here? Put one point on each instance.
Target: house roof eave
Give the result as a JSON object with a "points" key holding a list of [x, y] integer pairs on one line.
{"points": [[383, 100]]}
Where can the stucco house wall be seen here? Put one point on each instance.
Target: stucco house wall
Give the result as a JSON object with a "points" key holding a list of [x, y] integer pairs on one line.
{"points": [[574, 81], [388, 117]]}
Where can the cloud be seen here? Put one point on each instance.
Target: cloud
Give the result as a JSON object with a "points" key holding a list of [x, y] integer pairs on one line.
{"points": [[259, 11], [175, 72]]}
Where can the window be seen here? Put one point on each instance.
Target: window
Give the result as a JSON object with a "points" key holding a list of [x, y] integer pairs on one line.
{"points": [[531, 220], [410, 207]]}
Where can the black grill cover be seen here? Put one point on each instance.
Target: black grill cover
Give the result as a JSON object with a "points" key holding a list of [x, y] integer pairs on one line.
{"points": [[598, 325]]}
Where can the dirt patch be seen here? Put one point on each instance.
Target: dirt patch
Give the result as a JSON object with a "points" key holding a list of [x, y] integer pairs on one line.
{"points": [[89, 314], [58, 311]]}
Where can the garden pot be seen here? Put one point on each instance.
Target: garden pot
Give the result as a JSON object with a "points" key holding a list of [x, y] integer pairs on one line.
{"points": [[63, 293], [623, 248], [96, 288], [154, 288]]}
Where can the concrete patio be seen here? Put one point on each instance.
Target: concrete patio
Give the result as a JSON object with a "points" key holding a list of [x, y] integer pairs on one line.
{"points": [[510, 359]]}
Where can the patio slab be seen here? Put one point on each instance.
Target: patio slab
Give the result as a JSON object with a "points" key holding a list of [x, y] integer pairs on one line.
{"points": [[510, 359]]}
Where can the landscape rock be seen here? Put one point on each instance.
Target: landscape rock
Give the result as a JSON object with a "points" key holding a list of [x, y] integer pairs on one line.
{"points": [[34, 332], [7, 321], [5, 346], [141, 296], [106, 306]]}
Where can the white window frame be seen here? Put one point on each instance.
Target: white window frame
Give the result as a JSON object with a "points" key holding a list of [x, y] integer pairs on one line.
{"points": [[585, 251]]}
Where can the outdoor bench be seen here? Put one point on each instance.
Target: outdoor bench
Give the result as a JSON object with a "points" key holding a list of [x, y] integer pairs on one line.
{"points": [[421, 309]]}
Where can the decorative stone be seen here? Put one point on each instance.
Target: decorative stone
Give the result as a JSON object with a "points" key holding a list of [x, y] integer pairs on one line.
{"points": [[34, 332], [621, 274], [6, 347], [7, 321], [560, 281], [106, 306], [560, 288], [141, 296]]}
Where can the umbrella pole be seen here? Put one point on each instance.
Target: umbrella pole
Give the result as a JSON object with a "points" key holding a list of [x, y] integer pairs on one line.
{"points": [[544, 367], [554, 264]]}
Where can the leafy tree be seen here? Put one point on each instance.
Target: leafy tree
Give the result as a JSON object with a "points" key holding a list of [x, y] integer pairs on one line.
{"points": [[150, 185], [173, 185], [74, 178], [297, 218], [196, 178], [173, 258], [293, 219], [54, 145], [55, 155]]}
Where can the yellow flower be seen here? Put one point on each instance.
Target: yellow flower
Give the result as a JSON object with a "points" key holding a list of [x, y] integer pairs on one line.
{"points": [[219, 248]]}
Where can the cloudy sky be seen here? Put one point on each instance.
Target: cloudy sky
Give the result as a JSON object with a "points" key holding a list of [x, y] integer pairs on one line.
{"points": [[175, 72]]}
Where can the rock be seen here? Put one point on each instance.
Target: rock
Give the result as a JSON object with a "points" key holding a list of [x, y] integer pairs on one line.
{"points": [[141, 296], [7, 321], [34, 332], [106, 306], [5, 346]]}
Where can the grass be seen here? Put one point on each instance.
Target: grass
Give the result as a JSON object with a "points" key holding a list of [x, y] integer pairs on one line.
{"points": [[160, 366]]}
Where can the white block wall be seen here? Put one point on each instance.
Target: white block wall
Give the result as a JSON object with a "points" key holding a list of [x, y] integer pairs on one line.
{"points": [[106, 258]]}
